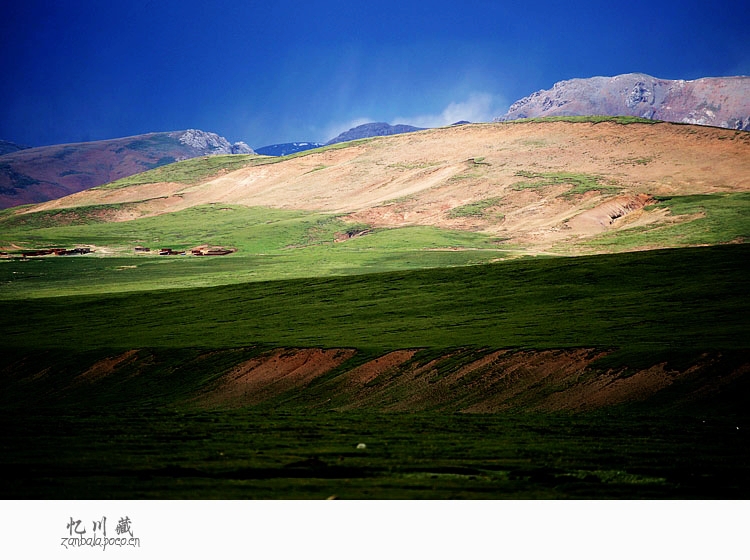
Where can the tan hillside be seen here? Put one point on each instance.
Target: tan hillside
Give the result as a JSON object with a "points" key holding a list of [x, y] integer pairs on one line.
{"points": [[535, 183]]}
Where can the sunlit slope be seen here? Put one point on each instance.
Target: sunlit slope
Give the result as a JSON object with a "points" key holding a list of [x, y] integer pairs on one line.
{"points": [[552, 185]]}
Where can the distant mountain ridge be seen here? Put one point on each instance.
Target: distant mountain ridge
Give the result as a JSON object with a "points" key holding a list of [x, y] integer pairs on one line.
{"points": [[372, 129], [367, 130], [722, 102], [45, 173], [287, 148], [31, 175], [10, 147]]}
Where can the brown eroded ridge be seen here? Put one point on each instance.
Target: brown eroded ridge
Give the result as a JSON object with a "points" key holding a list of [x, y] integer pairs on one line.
{"points": [[274, 374], [460, 380], [564, 380]]}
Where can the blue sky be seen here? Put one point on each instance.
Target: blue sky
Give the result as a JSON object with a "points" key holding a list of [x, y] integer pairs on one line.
{"points": [[278, 72]]}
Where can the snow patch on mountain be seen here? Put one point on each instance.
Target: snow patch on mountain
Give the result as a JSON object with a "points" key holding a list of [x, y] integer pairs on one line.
{"points": [[212, 144]]}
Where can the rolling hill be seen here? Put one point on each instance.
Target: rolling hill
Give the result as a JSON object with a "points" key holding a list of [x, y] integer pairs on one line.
{"points": [[557, 186]]}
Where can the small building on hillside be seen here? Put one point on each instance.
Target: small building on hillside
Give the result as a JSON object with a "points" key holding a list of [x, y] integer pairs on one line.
{"points": [[217, 251], [207, 251]]}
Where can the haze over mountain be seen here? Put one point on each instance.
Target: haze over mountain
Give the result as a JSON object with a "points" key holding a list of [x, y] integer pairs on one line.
{"points": [[369, 130], [722, 102], [287, 148], [49, 172]]}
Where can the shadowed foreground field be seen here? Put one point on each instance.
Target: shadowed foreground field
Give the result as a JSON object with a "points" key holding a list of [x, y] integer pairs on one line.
{"points": [[634, 368], [246, 454]]}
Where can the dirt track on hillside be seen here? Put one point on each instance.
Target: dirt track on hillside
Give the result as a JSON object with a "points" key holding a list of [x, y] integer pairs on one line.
{"points": [[418, 178]]}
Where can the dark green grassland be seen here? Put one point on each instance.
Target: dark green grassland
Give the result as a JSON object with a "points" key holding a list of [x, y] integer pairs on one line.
{"points": [[686, 298], [134, 436]]}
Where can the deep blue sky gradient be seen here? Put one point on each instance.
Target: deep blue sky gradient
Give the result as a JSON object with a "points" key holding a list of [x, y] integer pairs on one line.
{"points": [[285, 71]]}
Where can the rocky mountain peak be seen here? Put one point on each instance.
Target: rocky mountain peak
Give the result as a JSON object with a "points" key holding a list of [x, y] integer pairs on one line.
{"points": [[211, 143], [206, 141], [722, 102], [241, 148]]}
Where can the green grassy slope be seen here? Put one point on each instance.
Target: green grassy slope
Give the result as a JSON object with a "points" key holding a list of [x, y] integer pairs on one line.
{"points": [[702, 219], [690, 298], [281, 244], [270, 244]]}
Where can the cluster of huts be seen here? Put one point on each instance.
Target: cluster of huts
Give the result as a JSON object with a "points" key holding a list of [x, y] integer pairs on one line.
{"points": [[57, 251], [200, 252], [215, 252]]}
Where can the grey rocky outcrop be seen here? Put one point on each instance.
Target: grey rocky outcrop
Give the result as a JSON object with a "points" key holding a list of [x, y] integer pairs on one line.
{"points": [[722, 102], [211, 143]]}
